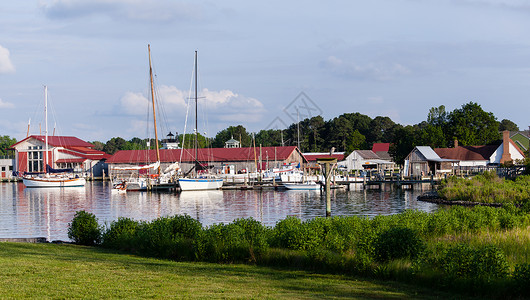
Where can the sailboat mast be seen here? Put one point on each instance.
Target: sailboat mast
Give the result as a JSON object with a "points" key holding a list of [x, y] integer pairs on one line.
{"points": [[196, 116], [298, 128], [154, 113], [46, 128]]}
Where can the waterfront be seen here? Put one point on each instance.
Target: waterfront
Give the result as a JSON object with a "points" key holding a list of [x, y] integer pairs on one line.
{"points": [[46, 212]]}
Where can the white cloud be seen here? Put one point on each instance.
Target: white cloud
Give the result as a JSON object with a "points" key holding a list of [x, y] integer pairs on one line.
{"points": [[372, 71], [6, 65], [134, 103], [6, 104], [132, 10], [224, 105]]}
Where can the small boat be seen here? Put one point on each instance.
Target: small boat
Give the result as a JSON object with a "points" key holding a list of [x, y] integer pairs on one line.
{"points": [[199, 183], [307, 185], [47, 180]]}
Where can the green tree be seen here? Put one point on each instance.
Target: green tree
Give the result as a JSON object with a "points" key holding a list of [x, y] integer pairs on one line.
{"points": [[339, 130], [188, 141], [5, 143], [406, 139], [433, 135], [316, 128], [238, 132], [114, 145], [506, 124], [355, 141], [269, 137], [437, 116], [381, 130], [98, 145], [472, 126]]}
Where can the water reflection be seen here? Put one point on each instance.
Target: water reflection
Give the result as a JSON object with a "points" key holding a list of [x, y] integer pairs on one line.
{"points": [[47, 212]]}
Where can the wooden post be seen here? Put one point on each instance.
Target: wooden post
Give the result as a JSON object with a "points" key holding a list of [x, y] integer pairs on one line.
{"points": [[328, 168]]}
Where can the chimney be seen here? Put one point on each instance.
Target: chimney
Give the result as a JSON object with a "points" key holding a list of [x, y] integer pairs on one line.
{"points": [[505, 147], [456, 143]]}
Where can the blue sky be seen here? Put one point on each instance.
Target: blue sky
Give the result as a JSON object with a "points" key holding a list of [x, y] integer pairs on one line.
{"points": [[394, 58]]}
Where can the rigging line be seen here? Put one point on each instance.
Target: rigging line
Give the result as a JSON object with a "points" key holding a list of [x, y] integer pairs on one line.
{"points": [[187, 111]]}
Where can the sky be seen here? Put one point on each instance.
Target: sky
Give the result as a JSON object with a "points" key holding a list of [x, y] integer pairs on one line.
{"points": [[263, 65]]}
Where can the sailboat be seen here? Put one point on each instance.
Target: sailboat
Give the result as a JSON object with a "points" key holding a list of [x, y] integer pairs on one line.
{"points": [[46, 179], [204, 181], [137, 182]]}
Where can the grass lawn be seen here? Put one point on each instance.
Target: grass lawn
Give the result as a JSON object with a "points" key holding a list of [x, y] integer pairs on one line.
{"points": [[69, 271]]}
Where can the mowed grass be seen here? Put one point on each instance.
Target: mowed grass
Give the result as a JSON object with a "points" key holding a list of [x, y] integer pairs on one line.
{"points": [[70, 271]]}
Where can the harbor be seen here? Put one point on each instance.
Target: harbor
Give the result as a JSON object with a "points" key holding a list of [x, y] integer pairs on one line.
{"points": [[30, 213]]}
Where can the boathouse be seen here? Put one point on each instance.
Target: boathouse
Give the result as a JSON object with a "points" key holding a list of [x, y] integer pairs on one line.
{"points": [[63, 152], [240, 160], [422, 161]]}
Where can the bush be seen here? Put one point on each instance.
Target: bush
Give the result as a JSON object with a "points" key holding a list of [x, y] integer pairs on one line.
{"points": [[224, 243], [398, 242], [480, 265], [121, 234], [84, 229], [521, 277]]}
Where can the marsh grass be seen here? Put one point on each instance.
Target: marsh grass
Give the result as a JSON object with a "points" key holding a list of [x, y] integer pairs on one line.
{"points": [[515, 243], [70, 271], [487, 188]]}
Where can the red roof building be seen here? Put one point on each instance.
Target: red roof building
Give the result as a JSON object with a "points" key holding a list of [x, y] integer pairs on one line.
{"points": [[63, 152], [242, 158]]}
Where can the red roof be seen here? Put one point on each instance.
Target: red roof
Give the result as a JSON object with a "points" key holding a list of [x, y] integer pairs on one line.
{"points": [[204, 155], [312, 157], [378, 147], [58, 141], [464, 153]]}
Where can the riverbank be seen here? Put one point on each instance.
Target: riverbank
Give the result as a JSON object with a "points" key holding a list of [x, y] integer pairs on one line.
{"points": [[70, 271]]}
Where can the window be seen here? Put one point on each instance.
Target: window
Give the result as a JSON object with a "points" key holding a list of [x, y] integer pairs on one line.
{"points": [[35, 162]]}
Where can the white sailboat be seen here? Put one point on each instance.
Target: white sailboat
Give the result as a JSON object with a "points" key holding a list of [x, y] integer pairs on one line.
{"points": [[46, 179], [205, 181]]}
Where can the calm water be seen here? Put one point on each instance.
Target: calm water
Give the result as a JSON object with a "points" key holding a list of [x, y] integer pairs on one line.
{"points": [[47, 212]]}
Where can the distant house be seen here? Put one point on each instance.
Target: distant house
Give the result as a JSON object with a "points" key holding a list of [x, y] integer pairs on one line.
{"points": [[247, 158], [63, 152], [367, 159], [495, 154], [382, 150], [422, 160]]}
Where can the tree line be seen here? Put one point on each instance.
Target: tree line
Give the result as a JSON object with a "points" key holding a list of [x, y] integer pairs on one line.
{"points": [[469, 124]]}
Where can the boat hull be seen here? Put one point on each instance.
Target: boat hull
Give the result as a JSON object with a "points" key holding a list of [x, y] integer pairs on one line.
{"points": [[53, 182], [302, 186], [199, 184]]}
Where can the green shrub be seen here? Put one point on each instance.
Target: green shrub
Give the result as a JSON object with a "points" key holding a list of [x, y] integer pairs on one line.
{"points": [[224, 243], [121, 234], [481, 265], [256, 235], [290, 234], [84, 229], [521, 277], [398, 242]]}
